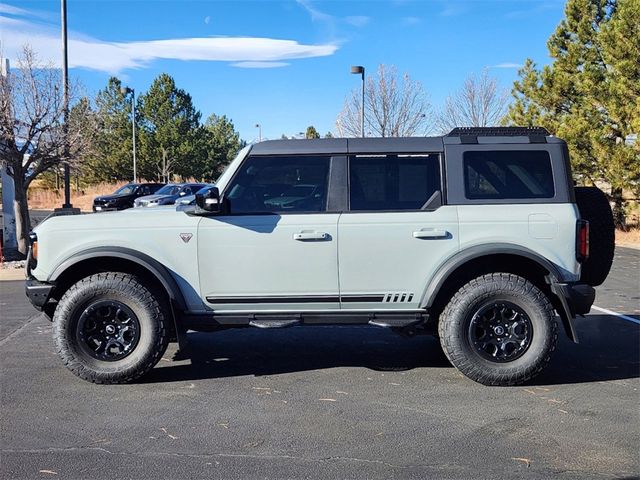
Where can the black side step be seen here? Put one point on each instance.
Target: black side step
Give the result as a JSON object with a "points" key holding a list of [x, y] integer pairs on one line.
{"points": [[282, 323], [399, 322]]}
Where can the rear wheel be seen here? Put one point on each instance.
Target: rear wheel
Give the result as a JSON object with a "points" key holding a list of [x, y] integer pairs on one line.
{"points": [[499, 329], [110, 328]]}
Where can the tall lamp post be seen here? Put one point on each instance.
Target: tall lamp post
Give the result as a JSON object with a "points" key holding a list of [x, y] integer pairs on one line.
{"points": [[65, 104], [259, 127], [126, 91], [359, 69]]}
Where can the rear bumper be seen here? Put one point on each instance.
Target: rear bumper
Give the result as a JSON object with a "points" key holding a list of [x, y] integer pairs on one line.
{"points": [[574, 299], [38, 292], [579, 297]]}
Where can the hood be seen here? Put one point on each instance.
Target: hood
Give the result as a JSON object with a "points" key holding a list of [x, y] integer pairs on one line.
{"points": [[148, 198], [123, 219]]}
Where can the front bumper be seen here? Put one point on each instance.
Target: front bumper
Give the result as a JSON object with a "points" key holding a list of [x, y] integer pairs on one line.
{"points": [[38, 292], [102, 208]]}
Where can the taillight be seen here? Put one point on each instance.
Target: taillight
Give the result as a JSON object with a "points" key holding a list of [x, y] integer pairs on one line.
{"points": [[582, 240]]}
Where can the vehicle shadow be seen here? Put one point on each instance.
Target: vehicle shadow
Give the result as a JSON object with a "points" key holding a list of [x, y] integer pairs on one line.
{"points": [[262, 352], [609, 349]]}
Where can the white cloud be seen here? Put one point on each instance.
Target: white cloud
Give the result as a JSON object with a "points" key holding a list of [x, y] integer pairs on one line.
{"points": [[207, 19], [11, 10], [114, 57], [320, 16], [316, 15], [259, 64], [357, 20], [507, 65]]}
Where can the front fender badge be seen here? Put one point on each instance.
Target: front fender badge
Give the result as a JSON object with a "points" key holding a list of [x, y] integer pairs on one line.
{"points": [[186, 237]]}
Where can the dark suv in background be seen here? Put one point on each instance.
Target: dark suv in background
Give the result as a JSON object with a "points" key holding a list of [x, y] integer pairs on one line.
{"points": [[123, 197]]}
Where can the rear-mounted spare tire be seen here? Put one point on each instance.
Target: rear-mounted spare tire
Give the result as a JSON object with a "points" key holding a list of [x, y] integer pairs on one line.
{"points": [[594, 207]]}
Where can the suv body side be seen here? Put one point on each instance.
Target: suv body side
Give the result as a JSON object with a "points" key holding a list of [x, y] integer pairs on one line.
{"points": [[545, 225], [367, 260]]}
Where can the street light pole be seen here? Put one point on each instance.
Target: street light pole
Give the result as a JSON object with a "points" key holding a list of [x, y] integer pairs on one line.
{"points": [[259, 127], [126, 91], [65, 105], [359, 69]]}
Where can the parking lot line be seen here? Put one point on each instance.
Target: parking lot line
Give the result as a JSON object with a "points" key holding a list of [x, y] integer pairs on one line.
{"points": [[616, 314]]}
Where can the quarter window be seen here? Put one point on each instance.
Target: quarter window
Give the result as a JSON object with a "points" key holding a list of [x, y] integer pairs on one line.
{"points": [[279, 184], [507, 175], [392, 182]]}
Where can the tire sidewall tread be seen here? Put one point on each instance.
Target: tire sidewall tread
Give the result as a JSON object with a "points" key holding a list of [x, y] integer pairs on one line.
{"points": [[152, 315], [455, 318]]}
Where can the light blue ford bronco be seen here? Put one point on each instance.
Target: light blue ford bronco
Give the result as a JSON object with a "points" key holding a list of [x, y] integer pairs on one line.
{"points": [[478, 237]]}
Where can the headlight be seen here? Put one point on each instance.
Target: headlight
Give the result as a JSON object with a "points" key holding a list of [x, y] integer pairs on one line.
{"points": [[32, 258]]}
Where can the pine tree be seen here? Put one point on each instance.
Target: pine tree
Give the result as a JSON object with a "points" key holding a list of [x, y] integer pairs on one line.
{"points": [[222, 143], [312, 132], [112, 156], [589, 95], [170, 133]]}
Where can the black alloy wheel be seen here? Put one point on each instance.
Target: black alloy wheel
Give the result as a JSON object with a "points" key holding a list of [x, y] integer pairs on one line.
{"points": [[108, 330], [500, 332]]}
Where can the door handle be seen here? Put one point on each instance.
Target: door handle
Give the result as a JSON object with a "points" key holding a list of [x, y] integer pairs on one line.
{"points": [[302, 236], [430, 233]]}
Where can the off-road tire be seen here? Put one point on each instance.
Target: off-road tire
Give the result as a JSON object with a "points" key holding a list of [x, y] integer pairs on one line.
{"points": [[594, 207], [455, 321], [152, 314]]}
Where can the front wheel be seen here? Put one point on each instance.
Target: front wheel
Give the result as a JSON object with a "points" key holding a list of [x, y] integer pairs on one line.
{"points": [[111, 328], [499, 329]]}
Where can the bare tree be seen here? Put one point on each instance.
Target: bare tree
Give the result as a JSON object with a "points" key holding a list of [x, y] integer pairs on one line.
{"points": [[32, 136], [479, 103], [394, 107]]}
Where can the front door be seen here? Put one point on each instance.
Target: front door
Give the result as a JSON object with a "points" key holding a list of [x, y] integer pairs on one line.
{"points": [[277, 249], [396, 232]]}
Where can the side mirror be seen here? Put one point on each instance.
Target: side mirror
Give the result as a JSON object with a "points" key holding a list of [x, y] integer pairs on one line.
{"points": [[209, 201]]}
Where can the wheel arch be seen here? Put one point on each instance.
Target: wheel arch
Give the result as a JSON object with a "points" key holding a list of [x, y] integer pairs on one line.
{"points": [[479, 260], [100, 259]]}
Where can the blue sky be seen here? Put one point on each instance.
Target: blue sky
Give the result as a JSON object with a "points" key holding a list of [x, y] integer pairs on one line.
{"points": [[283, 64]]}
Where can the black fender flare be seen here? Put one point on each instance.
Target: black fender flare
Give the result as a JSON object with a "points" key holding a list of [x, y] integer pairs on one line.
{"points": [[554, 278], [160, 272]]}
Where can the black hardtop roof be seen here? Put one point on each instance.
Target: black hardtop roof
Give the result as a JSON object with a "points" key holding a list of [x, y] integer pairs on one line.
{"points": [[475, 135], [349, 145]]}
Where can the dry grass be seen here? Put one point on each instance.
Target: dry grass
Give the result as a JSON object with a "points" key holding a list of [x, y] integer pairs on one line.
{"points": [[43, 199], [629, 238]]}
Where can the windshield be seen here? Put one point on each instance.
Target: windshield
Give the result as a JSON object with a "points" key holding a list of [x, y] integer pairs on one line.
{"points": [[126, 190], [168, 190], [299, 191], [228, 171]]}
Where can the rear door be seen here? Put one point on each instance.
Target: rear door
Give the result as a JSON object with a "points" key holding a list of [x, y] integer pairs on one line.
{"points": [[396, 231]]}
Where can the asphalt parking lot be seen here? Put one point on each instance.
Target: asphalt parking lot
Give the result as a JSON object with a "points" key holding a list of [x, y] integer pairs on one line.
{"points": [[326, 403]]}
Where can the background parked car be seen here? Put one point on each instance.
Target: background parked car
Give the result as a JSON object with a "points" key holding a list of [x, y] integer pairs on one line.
{"points": [[123, 197], [168, 194], [191, 199]]}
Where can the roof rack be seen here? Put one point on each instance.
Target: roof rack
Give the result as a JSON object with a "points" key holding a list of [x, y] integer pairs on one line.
{"points": [[471, 134], [498, 131]]}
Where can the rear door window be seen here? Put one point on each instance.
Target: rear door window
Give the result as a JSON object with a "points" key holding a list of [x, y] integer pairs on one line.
{"points": [[392, 182], [507, 175]]}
